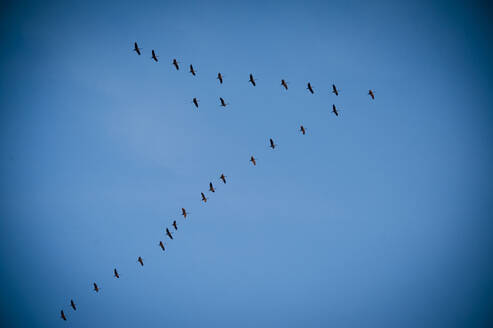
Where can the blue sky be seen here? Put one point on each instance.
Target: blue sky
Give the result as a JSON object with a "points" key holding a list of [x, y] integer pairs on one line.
{"points": [[380, 217]]}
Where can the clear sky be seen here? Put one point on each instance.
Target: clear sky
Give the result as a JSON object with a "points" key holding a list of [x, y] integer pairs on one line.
{"points": [[380, 217]]}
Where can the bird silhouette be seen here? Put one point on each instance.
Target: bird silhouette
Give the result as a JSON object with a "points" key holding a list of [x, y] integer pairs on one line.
{"points": [[254, 162], [252, 80], [115, 273], [223, 177], [176, 64], [284, 84], [140, 261], [220, 78], [161, 245], [204, 199], [62, 315], [192, 70], [334, 110], [272, 144], [72, 304], [302, 129], [169, 233], [154, 56], [96, 288], [223, 103], [136, 48], [309, 87], [334, 90], [184, 213], [370, 92], [174, 225], [195, 102], [211, 187]]}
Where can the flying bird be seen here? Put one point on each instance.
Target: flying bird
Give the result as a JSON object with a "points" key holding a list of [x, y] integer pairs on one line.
{"points": [[370, 92], [223, 103], [115, 273], [174, 225], [272, 144], [302, 129], [254, 162], [169, 233], [334, 90], [184, 213], [204, 199], [140, 261], [223, 177], [211, 187], [309, 87], [252, 80], [161, 245], [220, 78], [192, 70], [154, 56], [72, 304], [196, 102], [176, 64], [136, 48], [62, 315], [334, 110], [96, 288], [284, 84]]}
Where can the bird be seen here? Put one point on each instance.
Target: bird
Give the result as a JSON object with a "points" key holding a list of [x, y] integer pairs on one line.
{"points": [[62, 315], [334, 110], [334, 90], [284, 84], [220, 78], [72, 304], [154, 56], [254, 162], [169, 233], [176, 64], [136, 48], [115, 273], [174, 225], [192, 70], [309, 87], [196, 102], [223, 103], [204, 199], [96, 288], [184, 213], [223, 177], [211, 187], [302, 129], [252, 80], [272, 144], [161, 245], [370, 92], [140, 261]]}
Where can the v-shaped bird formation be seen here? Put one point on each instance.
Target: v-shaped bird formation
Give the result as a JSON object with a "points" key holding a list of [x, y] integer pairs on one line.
{"points": [[222, 177]]}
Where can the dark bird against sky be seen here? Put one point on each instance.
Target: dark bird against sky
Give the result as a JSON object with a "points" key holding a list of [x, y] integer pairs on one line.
{"points": [[175, 63], [136, 48], [252, 80], [309, 87], [154, 56], [220, 78]]}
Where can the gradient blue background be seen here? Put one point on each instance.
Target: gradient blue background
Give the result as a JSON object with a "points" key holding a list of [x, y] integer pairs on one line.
{"points": [[378, 218]]}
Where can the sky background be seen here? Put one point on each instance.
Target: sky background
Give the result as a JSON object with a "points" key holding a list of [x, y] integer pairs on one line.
{"points": [[380, 217]]}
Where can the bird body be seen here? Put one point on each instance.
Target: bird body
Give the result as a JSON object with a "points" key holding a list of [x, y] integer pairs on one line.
{"points": [[72, 304], [161, 245], [254, 162], [204, 199], [136, 48], [169, 234], [302, 129], [115, 273], [192, 70], [174, 225], [211, 187], [309, 87], [223, 177], [252, 80], [220, 78], [62, 315], [196, 102], [96, 288], [140, 261], [272, 144], [284, 84], [154, 56], [223, 103], [370, 92], [175, 63], [334, 110], [184, 212], [334, 90]]}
